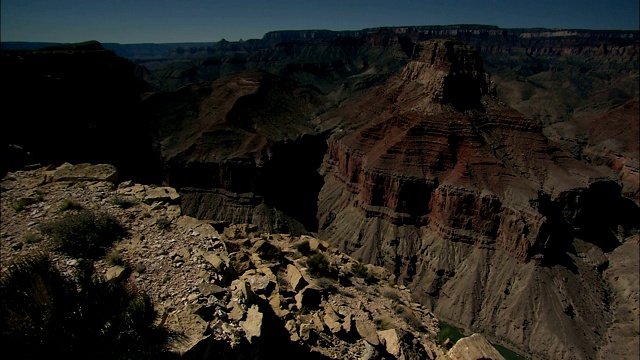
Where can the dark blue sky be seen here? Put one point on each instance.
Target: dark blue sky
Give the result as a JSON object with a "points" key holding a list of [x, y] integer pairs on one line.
{"points": [[138, 21]]}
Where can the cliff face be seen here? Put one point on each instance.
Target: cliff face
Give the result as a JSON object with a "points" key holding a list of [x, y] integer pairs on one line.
{"points": [[462, 196], [228, 147]]}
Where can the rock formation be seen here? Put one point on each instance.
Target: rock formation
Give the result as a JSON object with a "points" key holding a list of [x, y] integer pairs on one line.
{"points": [[471, 205], [507, 204], [228, 147], [236, 292]]}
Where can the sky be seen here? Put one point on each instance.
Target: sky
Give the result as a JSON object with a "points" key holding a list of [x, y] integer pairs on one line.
{"points": [[167, 21]]}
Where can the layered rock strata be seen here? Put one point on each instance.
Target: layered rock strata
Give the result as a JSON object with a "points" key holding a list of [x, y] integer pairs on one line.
{"points": [[471, 206]]}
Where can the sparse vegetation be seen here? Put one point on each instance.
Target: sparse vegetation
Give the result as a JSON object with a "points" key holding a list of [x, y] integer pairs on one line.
{"points": [[69, 204], [318, 265], [22, 203], [44, 314], [124, 202], [114, 258], [140, 268], [327, 284], [391, 294], [382, 322], [32, 238], [359, 269], [84, 234], [304, 248], [163, 223]]}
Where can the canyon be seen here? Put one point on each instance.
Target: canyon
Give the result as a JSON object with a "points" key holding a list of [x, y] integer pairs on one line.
{"points": [[493, 172]]}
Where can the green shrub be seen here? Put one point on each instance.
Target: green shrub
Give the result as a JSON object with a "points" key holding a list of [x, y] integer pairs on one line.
{"points": [[22, 203], [304, 248], [318, 265], [114, 258], [359, 269], [69, 204], [44, 314], [124, 202], [327, 285], [84, 234], [32, 238], [390, 294], [163, 223]]}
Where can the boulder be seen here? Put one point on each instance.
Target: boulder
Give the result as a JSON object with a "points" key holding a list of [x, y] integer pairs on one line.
{"points": [[292, 328], [85, 172], [162, 195], [315, 244], [261, 284], [332, 320], [241, 291], [235, 311], [295, 279], [473, 347], [116, 273], [190, 325], [253, 324], [265, 250], [367, 331], [391, 341], [207, 289]]}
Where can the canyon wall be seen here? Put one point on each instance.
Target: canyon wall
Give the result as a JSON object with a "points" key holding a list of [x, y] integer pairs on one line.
{"points": [[472, 207]]}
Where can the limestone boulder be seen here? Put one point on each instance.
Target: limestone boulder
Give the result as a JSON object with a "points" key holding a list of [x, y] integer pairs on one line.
{"points": [[253, 324], [85, 172], [473, 347]]}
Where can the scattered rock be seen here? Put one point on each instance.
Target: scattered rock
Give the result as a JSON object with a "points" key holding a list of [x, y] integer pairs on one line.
{"points": [[473, 347], [253, 324], [116, 273]]}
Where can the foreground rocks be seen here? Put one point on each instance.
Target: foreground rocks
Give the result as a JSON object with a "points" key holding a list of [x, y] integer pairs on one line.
{"points": [[229, 289]]}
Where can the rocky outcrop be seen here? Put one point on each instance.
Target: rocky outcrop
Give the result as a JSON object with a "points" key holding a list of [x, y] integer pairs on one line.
{"points": [[235, 293], [462, 199], [473, 347]]}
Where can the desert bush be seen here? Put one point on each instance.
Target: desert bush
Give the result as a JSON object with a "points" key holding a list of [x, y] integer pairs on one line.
{"points": [[382, 322], [124, 202], [359, 269], [114, 258], [69, 204], [22, 203], [327, 285], [44, 314], [32, 238], [408, 316], [304, 248], [390, 294], [163, 223], [84, 234], [140, 268], [318, 265]]}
